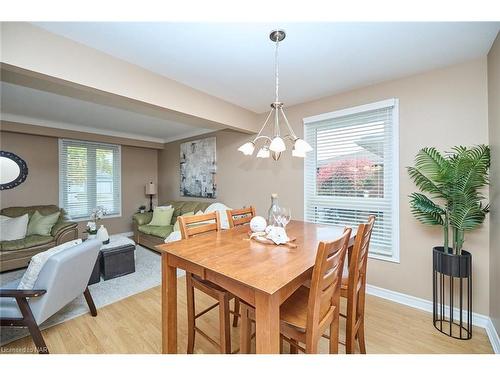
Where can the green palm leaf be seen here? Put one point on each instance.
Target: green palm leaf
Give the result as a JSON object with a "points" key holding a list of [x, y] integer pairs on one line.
{"points": [[425, 210]]}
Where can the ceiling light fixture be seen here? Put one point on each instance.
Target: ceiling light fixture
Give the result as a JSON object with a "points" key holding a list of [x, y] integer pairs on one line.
{"points": [[275, 145]]}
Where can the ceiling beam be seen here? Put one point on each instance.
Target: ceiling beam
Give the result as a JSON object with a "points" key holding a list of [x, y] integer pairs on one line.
{"points": [[36, 58]]}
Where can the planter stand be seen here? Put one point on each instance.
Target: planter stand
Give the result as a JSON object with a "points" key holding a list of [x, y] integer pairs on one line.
{"points": [[451, 286]]}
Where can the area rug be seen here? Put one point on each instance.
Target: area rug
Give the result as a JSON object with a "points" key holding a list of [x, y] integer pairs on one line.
{"points": [[147, 275]]}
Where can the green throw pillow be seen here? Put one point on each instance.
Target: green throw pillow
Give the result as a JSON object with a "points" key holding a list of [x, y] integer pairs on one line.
{"points": [[42, 225], [176, 225], [162, 216]]}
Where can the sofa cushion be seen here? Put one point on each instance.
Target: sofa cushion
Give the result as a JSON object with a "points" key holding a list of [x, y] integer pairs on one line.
{"points": [[26, 242], [162, 216], [13, 228], [157, 231], [42, 224]]}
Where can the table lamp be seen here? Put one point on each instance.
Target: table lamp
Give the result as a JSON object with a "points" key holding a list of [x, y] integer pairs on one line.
{"points": [[150, 190]]}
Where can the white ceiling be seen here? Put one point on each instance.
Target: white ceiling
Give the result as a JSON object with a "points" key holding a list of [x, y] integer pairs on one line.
{"points": [[27, 105], [235, 61]]}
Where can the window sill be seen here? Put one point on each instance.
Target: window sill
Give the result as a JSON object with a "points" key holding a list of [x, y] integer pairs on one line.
{"points": [[393, 259], [79, 220]]}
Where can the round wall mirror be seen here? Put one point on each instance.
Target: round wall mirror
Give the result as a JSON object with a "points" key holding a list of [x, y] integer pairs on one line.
{"points": [[13, 170]]}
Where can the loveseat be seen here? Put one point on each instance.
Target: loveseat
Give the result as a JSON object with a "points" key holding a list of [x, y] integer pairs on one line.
{"points": [[151, 235], [18, 253]]}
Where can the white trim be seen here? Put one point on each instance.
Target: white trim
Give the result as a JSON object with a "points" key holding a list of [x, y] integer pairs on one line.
{"points": [[194, 133], [479, 320], [352, 110]]}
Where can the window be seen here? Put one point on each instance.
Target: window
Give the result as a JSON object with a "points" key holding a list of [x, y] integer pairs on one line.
{"points": [[353, 172], [89, 176]]}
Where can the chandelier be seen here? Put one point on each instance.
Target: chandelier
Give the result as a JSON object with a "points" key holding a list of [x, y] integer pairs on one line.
{"points": [[275, 144]]}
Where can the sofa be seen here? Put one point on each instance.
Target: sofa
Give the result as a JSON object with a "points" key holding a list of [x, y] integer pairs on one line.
{"points": [[17, 254], [150, 235]]}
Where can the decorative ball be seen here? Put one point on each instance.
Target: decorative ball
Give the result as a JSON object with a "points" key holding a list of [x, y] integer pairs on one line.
{"points": [[258, 224]]}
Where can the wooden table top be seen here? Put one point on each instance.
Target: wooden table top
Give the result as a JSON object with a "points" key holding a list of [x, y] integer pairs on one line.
{"points": [[264, 267]]}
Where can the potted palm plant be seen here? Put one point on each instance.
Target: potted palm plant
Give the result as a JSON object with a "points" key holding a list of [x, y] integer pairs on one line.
{"points": [[451, 196]]}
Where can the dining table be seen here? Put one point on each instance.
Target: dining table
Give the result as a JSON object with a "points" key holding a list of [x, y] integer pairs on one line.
{"points": [[261, 274]]}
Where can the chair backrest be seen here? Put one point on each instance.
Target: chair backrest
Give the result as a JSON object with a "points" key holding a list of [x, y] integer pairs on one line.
{"points": [[240, 216], [64, 276], [358, 261], [324, 294], [198, 224]]}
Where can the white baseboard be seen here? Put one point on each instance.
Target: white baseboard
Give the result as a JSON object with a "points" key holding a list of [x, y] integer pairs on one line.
{"points": [[478, 320]]}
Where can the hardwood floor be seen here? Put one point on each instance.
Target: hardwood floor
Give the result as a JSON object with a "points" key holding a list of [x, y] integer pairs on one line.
{"points": [[132, 326]]}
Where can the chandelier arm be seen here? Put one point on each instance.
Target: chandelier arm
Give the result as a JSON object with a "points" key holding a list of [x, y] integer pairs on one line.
{"points": [[263, 126], [292, 133], [262, 136]]}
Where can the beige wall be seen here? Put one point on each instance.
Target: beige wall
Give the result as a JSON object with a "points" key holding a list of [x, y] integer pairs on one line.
{"points": [[139, 165], [440, 108], [494, 127]]}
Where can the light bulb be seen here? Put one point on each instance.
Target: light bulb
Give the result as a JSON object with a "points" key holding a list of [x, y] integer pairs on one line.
{"points": [[302, 146], [277, 145], [263, 153], [247, 148]]}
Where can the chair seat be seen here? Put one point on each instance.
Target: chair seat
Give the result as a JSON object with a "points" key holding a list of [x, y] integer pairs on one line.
{"points": [[294, 310]]}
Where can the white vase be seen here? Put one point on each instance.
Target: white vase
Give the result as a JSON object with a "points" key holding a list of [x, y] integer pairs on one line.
{"points": [[102, 234]]}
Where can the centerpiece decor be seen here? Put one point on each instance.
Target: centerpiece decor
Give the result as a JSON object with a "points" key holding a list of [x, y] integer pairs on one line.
{"points": [[275, 144], [97, 214], [454, 184]]}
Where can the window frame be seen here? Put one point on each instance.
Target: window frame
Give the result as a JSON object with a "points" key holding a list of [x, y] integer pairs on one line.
{"points": [[388, 103], [119, 179]]}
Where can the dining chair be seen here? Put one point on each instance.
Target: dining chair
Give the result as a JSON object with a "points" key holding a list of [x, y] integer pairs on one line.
{"points": [[309, 312], [191, 226], [353, 288], [240, 216]]}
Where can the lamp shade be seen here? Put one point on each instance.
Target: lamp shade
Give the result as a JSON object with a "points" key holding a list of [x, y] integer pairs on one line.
{"points": [[277, 144], [150, 189], [302, 146], [263, 153], [247, 148]]}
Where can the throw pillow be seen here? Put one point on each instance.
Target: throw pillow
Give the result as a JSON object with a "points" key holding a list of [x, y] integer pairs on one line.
{"points": [[224, 222], [13, 228], [42, 225], [37, 262], [176, 225], [162, 216]]}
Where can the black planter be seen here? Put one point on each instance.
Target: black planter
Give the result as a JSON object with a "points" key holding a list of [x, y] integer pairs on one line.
{"points": [[452, 293]]}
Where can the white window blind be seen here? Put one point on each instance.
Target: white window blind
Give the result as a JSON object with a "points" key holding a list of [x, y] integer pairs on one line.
{"points": [[353, 172], [89, 176]]}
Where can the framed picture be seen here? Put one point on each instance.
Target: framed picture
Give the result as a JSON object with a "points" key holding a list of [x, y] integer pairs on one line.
{"points": [[198, 168]]}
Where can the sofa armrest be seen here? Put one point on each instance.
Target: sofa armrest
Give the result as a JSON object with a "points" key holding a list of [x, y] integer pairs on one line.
{"points": [[142, 219], [21, 293], [62, 226]]}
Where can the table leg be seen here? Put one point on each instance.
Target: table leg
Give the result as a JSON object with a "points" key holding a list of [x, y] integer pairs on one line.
{"points": [[267, 322], [168, 306]]}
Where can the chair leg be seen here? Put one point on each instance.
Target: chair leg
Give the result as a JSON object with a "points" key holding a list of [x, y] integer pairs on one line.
{"points": [[33, 328], [236, 311], [361, 337], [334, 336], [225, 324], [245, 331], [90, 302], [190, 313]]}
